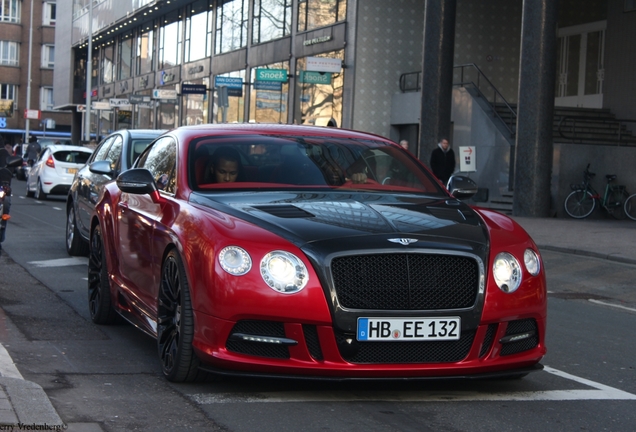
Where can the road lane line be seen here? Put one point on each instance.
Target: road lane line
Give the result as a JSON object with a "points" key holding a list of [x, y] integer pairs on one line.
{"points": [[612, 305], [62, 262], [599, 392]]}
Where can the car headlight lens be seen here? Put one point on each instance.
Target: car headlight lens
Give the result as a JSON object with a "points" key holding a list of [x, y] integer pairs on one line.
{"points": [[531, 260], [235, 260], [284, 272], [507, 272]]}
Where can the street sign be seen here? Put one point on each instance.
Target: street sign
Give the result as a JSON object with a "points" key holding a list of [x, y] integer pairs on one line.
{"points": [[467, 161], [323, 64], [81, 108], [268, 85], [100, 105], [276, 75], [32, 114], [193, 89], [137, 99], [118, 102], [310, 77], [164, 94], [229, 82]]}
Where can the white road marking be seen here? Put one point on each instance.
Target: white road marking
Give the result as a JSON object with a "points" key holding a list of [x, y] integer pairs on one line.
{"points": [[56, 208], [62, 262], [7, 367], [599, 392], [612, 305]]}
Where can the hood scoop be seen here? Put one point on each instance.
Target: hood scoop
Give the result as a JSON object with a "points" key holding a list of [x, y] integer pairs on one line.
{"points": [[285, 211]]}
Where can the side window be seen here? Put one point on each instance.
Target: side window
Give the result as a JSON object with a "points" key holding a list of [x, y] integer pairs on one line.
{"points": [[114, 153], [161, 161], [102, 150]]}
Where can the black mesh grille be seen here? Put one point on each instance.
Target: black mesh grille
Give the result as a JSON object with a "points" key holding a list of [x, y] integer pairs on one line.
{"points": [[261, 349], [405, 352], [405, 281], [488, 338], [518, 327], [313, 343]]}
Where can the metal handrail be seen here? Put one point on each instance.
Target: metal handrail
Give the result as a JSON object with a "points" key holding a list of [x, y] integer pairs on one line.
{"points": [[407, 79], [569, 122]]}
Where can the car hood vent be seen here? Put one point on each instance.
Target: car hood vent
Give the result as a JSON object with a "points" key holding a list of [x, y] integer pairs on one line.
{"points": [[447, 213], [285, 211]]}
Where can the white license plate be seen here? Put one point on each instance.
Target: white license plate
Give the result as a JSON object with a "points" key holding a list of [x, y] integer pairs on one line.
{"points": [[408, 329]]}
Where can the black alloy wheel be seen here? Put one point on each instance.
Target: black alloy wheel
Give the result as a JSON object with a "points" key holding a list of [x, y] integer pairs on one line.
{"points": [[99, 301], [75, 244], [175, 323]]}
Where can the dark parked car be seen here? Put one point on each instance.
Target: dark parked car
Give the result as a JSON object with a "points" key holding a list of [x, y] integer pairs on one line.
{"points": [[115, 154], [312, 252]]}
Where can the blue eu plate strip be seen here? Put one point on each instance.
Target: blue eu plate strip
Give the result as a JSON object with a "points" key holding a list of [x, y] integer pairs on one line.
{"points": [[363, 329]]}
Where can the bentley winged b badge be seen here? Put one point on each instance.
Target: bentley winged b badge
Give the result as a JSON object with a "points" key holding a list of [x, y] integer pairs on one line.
{"points": [[403, 241]]}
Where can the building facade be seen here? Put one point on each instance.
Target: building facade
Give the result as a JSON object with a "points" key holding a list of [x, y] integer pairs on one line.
{"points": [[18, 39]]}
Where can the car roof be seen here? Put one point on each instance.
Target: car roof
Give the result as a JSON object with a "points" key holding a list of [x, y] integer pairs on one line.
{"points": [[151, 133], [271, 129]]}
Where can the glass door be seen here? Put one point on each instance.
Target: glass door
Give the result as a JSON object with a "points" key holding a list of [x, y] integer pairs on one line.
{"points": [[580, 68]]}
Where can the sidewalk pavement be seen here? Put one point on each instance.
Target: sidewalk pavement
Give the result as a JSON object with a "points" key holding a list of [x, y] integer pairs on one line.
{"points": [[25, 402]]}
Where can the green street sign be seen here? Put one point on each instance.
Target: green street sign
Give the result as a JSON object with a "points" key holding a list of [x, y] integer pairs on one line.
{"points": [[310, 77], [278, 75]]}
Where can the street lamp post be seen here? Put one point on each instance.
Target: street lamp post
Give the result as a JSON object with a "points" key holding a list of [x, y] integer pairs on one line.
{"points": [[89, 73], [28, 95]]}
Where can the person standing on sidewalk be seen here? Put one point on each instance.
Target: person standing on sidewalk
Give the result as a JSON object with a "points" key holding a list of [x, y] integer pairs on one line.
{"points": [[443, 161]]}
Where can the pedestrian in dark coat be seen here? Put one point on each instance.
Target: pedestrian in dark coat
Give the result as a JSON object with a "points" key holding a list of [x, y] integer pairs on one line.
{"points": [[443, 161]]}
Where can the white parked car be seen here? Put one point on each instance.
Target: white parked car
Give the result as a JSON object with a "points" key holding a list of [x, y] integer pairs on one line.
{"points": [[54, 170]]}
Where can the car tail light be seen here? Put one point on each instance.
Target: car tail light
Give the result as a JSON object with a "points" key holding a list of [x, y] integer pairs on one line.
{"points": [[50, 162]]}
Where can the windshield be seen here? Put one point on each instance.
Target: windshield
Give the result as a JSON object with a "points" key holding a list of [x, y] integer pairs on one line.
{"points": [[265, 162]]}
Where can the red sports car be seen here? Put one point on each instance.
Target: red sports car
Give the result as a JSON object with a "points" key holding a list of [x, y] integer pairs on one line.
{"points": [[300, 251]]}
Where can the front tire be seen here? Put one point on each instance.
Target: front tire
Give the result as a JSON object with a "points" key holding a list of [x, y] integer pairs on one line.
{"points": [[75, 244], [175, 323], [100, 303], [39, 192], [579, 204], [630, 207]]}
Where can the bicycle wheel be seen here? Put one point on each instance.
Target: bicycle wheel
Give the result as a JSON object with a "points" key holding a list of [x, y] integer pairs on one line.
{"points": [[579, 204], [630, 207], [615, 205]]}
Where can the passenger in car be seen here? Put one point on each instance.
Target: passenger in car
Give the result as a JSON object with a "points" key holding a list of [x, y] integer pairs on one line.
{"points": [[226, 166]]}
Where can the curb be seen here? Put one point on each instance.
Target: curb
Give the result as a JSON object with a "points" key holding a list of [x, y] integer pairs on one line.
{"points": [[616, 258]]}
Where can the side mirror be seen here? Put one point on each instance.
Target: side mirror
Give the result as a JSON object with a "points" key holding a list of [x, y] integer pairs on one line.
{"points": [[461, 187], [139, 181], [101, 167]]}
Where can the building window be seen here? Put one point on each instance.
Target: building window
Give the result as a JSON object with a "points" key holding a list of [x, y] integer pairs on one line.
{"points": [[46, 99], [108, 64], [231, 25], [272, 20], [9, 91], [319, 13], [145, 51], [198, 23], [9, 53], [125, 51], [48, 13], [170, 41], [48, 56], [10, 10]]}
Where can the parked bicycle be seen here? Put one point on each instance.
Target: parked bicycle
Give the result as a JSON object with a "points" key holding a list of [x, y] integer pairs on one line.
{"points": [[581, 202], [630, 207]]}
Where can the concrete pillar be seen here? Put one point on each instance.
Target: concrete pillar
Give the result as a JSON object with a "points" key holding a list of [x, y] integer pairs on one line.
{"points": [[437, 74], [535, 112]]}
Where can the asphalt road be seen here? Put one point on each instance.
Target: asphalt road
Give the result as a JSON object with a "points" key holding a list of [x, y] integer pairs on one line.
{"points": [[108, 377]]}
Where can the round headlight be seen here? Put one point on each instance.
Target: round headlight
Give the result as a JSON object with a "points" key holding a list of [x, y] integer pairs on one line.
{"points": [[284, 272], [507, 272], [235, 260], [531, 260]]}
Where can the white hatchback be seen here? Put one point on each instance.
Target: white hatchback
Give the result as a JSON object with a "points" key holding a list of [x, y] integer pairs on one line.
{"points": [[54, 170]]}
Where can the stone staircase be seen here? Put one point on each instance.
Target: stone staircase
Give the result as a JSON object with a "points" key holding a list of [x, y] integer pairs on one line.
{"points": [[584, 126]]}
